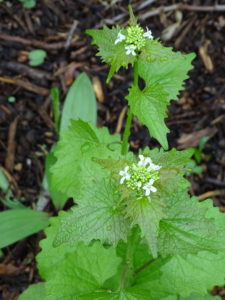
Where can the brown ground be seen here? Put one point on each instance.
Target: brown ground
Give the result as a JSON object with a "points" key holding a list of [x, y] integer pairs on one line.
{"points": [[27, 128]]}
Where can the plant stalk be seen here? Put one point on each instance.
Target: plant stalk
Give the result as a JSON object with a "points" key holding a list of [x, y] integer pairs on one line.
{"points": [[129, 116]]}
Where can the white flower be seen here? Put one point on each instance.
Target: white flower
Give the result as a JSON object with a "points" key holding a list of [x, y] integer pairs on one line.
{"points": [[154, 167], [125, 175], [148, 187], [144, 160], [148, 34], [120, 38], [130, 50]]}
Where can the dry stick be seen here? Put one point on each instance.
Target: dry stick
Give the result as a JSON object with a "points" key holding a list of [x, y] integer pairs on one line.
{"points": [[11, 147], [182, 7], [70, 34], [21, 68], [35, 43], [26, 85]]}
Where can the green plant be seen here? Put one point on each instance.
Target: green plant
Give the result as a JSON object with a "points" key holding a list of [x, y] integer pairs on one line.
{"points": [[37, 57], [26, 3], [134, 233]]}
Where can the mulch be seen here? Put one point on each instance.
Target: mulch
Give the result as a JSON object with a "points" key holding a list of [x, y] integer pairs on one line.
{"points": [[27, 130]]}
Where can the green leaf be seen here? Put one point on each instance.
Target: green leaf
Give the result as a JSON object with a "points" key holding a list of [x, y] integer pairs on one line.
{"points": [[80, 103], [82, 271], [98, 215], [17, 224], [56, 107], [50, 256], [179, 275], [163, 72], [186, 228], [115, 55], [58, 198], [75, 154], [150, 106], [133, 19], [37, 57], [198, 297], [28, 3], [169, 74], [147, 214], [34, 292]]}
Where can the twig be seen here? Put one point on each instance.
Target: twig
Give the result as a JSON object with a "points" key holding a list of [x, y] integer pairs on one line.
{"points": [[70, 34], [181, 6], [215, 182], [121, 119], [209, 194], [26, 85], [35, 43], [145, 4], [21, 68], [11, 147]]}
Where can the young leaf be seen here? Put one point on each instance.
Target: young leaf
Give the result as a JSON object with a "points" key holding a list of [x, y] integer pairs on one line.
{"points": [[98, 215], [80, 103], [163, 72], [111, 53], [150, 107], [14, 224], [168, 68], [147, 214]]}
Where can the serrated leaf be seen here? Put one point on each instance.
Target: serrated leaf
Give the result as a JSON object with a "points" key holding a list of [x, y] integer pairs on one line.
{"points": [[34, 292], [147, 214], [150, 106], [98, 215], [163, 72], [75, 154], [186, 229], [169, 74], [51, 256], [110, 53], [184, 276], [83, 271]]}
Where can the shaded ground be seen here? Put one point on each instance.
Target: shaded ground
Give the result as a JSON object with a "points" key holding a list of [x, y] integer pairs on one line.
{"points": [[27, 128]]}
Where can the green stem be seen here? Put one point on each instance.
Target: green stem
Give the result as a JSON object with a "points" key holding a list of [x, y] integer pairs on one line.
{"points": [[128, 270], [129, 117]]}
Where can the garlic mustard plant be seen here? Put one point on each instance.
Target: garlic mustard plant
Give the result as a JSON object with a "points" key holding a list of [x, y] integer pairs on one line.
{"points": [[140, 177], [134, 232]]}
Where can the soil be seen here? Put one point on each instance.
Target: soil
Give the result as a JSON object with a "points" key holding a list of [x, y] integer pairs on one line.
{"points": [[27, 130]]}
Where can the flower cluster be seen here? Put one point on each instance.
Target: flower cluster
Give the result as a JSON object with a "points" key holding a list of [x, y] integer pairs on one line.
{"points": [[135, 39], [140, 177]]}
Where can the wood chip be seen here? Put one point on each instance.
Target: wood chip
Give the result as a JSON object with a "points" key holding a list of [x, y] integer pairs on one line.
{"points": [[192, 139], [97, 86], [11, 147], [206, 59]]}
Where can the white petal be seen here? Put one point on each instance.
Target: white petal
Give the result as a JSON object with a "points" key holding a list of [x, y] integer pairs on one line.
{"points": [[126, 169], [151, 181], [153, 189], [147, 193], [122, 180]]}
